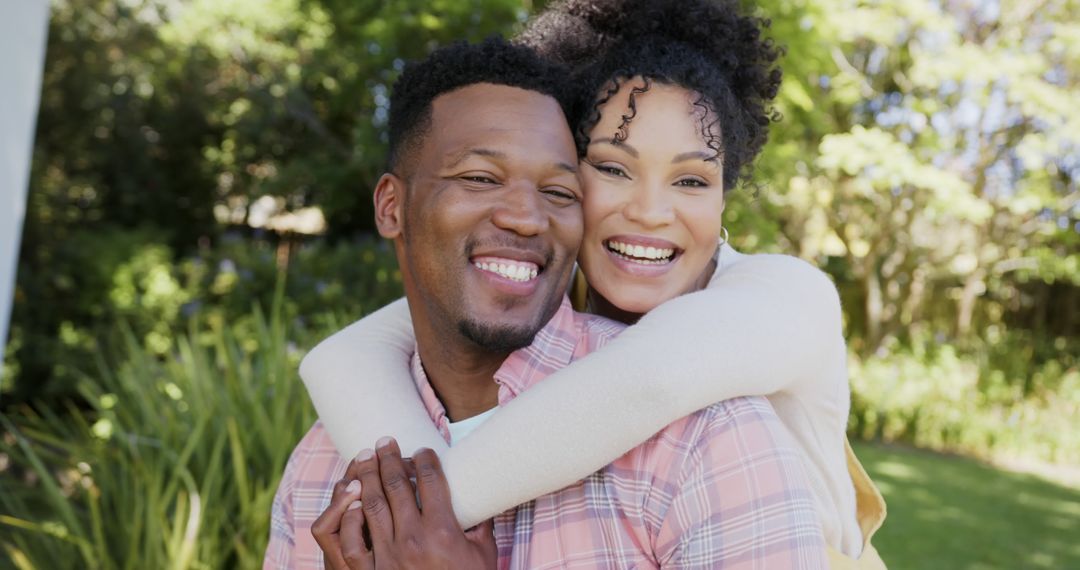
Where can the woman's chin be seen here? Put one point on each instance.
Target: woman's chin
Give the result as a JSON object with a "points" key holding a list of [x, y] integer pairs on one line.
{"points": [[637, 302]]}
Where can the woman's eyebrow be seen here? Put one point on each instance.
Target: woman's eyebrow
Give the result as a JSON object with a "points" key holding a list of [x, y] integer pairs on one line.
{"points": [[622, 145], [694, 155]]}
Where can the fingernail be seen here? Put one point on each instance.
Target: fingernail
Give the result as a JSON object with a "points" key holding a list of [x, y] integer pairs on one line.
{"points": [[384, 441], [354, 505], [353, 487], [365, 454]]}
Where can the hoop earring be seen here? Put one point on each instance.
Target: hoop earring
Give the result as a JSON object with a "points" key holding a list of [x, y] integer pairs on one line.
{"points": [[723, 235]]}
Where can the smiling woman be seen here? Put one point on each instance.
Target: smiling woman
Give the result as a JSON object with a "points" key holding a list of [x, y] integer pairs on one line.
{"points": [[654, 202]]}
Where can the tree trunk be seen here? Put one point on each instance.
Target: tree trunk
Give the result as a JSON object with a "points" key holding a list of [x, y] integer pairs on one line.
{"points": [[973, 287]]}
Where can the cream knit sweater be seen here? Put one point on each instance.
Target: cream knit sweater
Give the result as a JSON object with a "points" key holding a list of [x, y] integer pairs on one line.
{"points": [[766, 325]]}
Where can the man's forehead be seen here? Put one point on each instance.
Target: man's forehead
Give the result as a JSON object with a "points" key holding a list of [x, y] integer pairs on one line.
{"points": [[496, 122], [456, 156], [483, 104]]}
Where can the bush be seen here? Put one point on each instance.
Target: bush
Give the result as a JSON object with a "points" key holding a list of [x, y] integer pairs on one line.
{"points": [[176, 465], [937, 398], [102, 278]]}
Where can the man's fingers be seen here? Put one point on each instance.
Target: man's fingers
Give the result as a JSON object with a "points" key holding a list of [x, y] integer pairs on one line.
{"points": [[431, 486], [377, 515], [397, 486], [355, 553], [325, 529]]}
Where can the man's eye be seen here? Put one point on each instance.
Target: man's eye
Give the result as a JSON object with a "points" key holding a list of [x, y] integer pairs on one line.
{"points": [[479, 179], [560, 194]]}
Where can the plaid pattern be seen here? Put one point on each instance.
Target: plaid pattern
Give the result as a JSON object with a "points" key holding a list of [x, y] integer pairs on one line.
{"points": [[721, 488]]}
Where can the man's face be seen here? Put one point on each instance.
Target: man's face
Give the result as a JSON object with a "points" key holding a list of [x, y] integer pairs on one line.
{"points": [[492, 216]]}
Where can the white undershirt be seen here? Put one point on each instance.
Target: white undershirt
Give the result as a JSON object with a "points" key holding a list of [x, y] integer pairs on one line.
{"points": [[459, 430]]}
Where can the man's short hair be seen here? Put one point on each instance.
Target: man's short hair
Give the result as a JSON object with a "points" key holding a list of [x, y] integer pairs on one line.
{"points": [[458, 65]]}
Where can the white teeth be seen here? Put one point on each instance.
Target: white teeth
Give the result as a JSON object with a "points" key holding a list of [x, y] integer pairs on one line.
{"points": [[511, 271], [649, 255]]}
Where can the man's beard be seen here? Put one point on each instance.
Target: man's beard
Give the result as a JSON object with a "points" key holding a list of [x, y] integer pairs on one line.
{"points": [[495, 338]]}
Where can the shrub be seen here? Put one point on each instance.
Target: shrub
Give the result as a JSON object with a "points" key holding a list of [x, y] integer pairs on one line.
{"points": [[103, 278], [175, 466], [940, 399]]}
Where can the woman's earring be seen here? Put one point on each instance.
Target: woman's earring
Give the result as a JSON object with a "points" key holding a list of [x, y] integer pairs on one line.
{"points": [[723, 235]]}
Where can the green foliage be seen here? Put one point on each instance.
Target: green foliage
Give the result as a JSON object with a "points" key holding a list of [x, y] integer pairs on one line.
{"points": [[928, 157], [175, 466], [177, 116], [928, 160], [108, 277], [1000, 406]]}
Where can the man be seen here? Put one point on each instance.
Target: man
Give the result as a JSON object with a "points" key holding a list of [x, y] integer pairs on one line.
{"points": [[483, 205]]}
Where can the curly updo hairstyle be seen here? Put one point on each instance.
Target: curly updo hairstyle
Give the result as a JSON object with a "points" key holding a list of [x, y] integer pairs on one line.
{"points": [[705, 46]]}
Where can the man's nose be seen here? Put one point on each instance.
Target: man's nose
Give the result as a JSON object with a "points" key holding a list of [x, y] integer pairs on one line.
{"points": [[649, 205], [521, 210]]}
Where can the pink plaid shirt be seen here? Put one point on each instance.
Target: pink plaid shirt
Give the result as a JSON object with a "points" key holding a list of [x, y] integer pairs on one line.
{"points": [[721, 488]]}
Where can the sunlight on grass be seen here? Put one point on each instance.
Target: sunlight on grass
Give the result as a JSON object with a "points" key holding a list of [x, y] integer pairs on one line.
{"points": [[956, 513], [897, 470]]}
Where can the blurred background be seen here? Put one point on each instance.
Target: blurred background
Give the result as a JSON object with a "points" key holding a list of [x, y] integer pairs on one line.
{"points": [[199, 214]]}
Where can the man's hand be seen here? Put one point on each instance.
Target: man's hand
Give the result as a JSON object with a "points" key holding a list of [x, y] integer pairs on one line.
{"points": [[402, 536]]}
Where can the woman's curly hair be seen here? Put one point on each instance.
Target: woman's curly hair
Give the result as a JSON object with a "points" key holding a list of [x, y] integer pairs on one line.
{"points": [[705, 46]]}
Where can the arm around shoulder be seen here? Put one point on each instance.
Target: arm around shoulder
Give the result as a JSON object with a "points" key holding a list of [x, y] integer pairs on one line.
{"points": [[764, 325], [360, 382]]}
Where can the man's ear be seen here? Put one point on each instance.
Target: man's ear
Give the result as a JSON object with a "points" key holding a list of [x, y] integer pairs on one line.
{"points": [[390, 206]]}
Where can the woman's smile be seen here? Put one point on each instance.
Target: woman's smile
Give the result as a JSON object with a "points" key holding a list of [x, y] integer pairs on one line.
{"points": [[653, 200]]}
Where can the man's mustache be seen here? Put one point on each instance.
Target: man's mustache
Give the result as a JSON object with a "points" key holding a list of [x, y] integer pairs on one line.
{"points": [[534, 245]]}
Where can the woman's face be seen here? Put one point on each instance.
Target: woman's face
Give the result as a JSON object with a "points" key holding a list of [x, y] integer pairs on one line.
{"points": [[653, 202]]}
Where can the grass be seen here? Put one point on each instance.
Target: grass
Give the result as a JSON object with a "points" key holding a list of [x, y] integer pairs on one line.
{"points": [[951, 512]]}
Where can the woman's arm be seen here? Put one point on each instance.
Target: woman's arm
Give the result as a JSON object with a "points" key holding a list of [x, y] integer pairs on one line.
{"points": [[361, 384], [766, 324]]}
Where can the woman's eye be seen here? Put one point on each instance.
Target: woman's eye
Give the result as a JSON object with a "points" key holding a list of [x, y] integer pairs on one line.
{"points": [[691, 183], [610, 170]]}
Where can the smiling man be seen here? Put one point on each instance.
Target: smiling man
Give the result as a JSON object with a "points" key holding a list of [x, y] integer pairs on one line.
{"points": [[482, 203]]}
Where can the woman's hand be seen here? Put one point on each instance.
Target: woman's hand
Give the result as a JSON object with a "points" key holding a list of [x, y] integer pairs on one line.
{"points": [[327, 528], [401, 535]]}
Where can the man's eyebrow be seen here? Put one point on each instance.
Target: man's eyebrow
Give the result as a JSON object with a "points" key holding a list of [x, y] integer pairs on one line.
{"points": [[695, 155], [571, 168], [618, 144], [486, 152]]}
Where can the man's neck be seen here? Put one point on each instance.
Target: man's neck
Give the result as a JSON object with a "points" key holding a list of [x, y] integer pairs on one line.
{"points": [[463, 377]]}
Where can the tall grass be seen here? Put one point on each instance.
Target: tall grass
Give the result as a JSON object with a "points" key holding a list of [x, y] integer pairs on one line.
{"points": [[174, 467]]}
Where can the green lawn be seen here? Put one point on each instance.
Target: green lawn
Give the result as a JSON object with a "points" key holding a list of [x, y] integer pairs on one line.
{"points": [[954, 513]]}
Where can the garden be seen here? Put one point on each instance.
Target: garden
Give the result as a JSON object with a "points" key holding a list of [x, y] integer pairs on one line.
{"points": [[199, 217]]}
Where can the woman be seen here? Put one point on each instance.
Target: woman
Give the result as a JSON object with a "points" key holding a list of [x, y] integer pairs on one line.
{"points": [[676, 108]]}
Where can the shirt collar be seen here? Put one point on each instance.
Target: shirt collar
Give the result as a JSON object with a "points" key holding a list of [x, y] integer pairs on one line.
{"points": [[552, 349]]}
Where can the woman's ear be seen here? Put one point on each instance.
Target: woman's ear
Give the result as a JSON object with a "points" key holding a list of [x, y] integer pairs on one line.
{"points": [[389, 206]]}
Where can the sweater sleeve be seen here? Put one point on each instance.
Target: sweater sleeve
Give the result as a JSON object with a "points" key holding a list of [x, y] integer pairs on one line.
{"points": [[764, 325], [370, 357], [767, 324]]}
